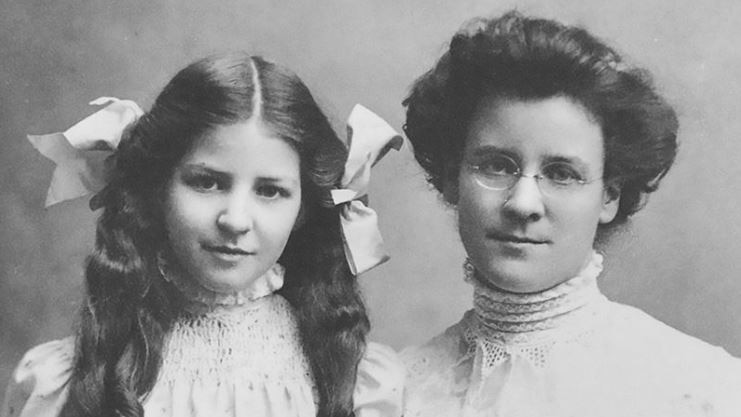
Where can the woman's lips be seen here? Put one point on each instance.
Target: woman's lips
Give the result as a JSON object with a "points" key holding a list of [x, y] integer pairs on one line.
{"points": [[516, 238]]}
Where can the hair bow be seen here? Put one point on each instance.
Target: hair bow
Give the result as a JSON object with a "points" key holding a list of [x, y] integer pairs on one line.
{"points": [[369, 139], [80, 151]]}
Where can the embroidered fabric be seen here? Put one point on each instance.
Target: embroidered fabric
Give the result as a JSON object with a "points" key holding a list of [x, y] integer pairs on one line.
{"points": [[228, 345], [247, 359], [229, 360]]}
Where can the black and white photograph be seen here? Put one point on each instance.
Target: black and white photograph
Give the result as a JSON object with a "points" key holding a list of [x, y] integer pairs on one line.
{"points": [[370, 208]]}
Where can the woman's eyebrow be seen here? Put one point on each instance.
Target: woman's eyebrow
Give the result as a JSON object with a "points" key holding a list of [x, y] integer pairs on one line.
{"points": [[571, 160], [484, 150]]}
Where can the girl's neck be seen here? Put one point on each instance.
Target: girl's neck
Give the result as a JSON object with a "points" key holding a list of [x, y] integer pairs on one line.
{"points": [[198, 299]]}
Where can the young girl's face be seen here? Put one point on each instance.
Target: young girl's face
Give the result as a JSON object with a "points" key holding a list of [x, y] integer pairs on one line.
{"points": [[231, 205]]}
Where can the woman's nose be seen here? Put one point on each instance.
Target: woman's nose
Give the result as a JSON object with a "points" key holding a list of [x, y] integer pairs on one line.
{"points": [[524, 201], [237, 215]]}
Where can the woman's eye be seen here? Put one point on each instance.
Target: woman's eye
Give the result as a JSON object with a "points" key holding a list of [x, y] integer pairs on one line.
{"points": [[272, 191], [562, 174], [498, 165]]}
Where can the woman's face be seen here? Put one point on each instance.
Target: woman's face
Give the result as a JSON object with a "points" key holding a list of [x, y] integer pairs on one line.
{"points": [[231, 205], [520, 239]]}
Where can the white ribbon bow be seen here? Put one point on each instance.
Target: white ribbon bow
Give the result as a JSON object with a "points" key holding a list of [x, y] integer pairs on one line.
{"points": [[369, 139], [79, 152]]}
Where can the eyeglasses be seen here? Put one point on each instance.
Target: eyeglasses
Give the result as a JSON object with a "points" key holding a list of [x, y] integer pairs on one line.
{"points": [[500, 172]]}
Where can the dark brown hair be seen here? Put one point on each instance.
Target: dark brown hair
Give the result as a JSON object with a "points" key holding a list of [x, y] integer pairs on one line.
{"points": [[129, 308], [522, 58]]}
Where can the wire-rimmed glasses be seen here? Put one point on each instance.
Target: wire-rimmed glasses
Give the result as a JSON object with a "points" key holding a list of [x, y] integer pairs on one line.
{"points": [[501, 172]]}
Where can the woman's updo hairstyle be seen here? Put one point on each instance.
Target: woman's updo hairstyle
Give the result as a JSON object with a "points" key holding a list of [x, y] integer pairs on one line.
{"points": [[514, 57]]}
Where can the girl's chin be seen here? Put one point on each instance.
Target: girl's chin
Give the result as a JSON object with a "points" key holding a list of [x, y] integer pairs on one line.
{"points": [[226, 285]]}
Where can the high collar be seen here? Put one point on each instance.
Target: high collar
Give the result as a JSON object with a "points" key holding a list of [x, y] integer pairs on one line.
{"points": [[567, 305], [199, 299]]}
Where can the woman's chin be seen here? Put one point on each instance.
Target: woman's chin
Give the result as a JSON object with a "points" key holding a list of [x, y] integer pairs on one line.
{"points": [[521, 277]]}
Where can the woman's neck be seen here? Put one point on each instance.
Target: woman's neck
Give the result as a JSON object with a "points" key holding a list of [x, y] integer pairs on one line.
{"points": [[499, 311]]}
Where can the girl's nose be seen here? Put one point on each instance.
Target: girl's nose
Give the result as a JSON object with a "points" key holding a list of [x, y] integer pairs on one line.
{"points": [[524, 201], [237, 216]]}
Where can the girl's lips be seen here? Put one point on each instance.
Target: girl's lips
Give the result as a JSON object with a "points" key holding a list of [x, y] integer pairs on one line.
{"points": [[228, 255]]}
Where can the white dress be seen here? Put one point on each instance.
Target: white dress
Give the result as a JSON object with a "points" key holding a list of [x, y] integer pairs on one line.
{"points": [[235, 361], [567, 352]]}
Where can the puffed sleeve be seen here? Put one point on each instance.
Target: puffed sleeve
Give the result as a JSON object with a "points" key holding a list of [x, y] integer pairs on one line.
{"points": [[380, 383], [38, 385]]}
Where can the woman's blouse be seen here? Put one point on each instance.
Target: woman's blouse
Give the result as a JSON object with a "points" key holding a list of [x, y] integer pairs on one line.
{"points": [[567, 352], [237, 361]]}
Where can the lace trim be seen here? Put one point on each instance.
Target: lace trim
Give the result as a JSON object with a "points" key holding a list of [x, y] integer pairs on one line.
{"points": [[204, 299], [536, 352], [529, 326]]}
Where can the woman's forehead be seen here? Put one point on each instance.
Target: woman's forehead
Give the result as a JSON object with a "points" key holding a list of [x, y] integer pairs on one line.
{"points": [[555, 127]]}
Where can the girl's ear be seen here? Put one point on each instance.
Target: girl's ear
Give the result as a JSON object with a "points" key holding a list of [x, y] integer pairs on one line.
{"points": [[610, 202], [300, 218]]}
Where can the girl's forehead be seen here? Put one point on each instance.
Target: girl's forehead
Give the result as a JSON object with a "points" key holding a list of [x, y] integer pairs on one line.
{"points": [[244, 146]]}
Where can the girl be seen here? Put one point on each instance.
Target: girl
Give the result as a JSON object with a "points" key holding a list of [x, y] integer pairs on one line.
{"points": [[545, 140], [219, 284]]}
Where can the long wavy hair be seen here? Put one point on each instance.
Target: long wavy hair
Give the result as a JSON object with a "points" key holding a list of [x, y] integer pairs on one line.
{"points": [[129, 308], [526, 58]]}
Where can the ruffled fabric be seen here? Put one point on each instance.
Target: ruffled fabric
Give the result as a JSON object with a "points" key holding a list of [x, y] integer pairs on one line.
{"points": [[239, 362], [379, 387], [37, 388], [567, 352]]}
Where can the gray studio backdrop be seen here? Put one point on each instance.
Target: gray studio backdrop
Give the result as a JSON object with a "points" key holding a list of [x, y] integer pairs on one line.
{"points": [[678, 260]]}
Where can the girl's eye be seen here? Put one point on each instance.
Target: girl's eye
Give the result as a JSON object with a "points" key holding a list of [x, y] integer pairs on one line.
{"points": [[204, 183], [498, 165], [562, 174], [272, 192]]}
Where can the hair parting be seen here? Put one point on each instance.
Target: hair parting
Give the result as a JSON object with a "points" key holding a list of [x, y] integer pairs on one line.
{"points": [[129, 308]]}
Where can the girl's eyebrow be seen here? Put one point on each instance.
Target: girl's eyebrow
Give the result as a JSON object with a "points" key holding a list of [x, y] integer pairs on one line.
{"points": [[271, 179], [202, 168]]}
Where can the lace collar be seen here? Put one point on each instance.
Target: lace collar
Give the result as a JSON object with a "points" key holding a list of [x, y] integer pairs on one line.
{"points": [[201, 299], [570, 305]]}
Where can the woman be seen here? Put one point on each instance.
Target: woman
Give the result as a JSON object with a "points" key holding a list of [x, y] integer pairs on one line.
{"points": [[545, 141]]}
